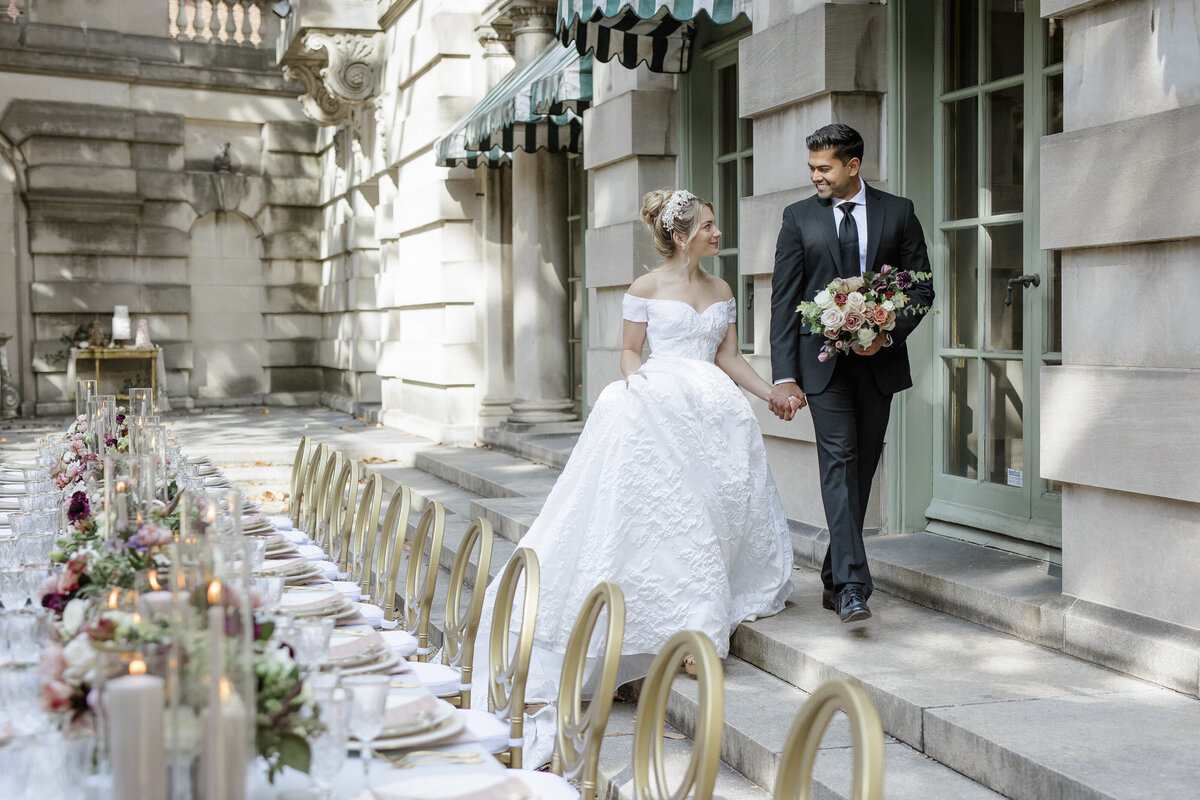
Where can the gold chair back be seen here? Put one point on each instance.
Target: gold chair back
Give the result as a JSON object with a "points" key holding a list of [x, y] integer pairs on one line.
{"points": [[508, 666], [316, 467], [333, 465], [365, 530], [296, 485], [343, 501], [577, 740], [458, 635], [420, 580], [649, 770], [391, 551], [804, 738]]}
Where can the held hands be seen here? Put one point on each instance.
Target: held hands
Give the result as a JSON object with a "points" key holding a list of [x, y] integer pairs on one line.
{"points": [[786, 399], [630, 375]]}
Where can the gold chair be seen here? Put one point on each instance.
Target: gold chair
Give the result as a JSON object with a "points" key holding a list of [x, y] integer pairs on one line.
{"points": [[380, 586], [804, 738], [508, 666], [343, 498], [579, 734], [458, 645], [420, 581], [320, 531], [316, 468], [296, 485], [365, 529], [649, 770]]}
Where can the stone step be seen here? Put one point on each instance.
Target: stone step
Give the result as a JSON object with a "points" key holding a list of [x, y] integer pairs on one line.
{"points": [[510, 516], [615, 778], [425, 487], [552, 449], [759, 711], [489, 473], [949, 689]]}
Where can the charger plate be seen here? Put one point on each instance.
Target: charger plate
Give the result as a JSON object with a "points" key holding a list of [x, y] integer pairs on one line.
{"points": [[450, 727]]}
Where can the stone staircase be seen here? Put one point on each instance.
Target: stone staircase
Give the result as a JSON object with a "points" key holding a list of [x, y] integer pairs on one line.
{"points": [[983, 706]]}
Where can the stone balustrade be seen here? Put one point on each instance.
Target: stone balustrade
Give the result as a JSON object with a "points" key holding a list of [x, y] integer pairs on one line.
{"points": [[245, 23]]}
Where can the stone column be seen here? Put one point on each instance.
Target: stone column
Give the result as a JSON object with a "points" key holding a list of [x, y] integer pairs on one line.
{"points": [[540, 257]]}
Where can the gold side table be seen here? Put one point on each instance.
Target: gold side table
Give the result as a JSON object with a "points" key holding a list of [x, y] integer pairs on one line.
{"points": [[99, 354]]}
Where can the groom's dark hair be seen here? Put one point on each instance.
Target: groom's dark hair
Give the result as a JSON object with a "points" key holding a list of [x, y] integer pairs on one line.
{"points": [[845, 141]]}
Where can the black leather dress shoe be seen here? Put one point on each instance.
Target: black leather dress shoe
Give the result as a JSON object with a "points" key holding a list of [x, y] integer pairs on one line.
{"points": [[828, 600], [852, 605]]}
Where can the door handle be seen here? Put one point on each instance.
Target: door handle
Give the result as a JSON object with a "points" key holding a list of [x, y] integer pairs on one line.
{"points": [[1024, 280]]}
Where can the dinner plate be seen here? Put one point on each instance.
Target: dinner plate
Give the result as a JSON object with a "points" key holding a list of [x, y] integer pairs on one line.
{"points": [[450, 727], [385, 664], [358, 659]]}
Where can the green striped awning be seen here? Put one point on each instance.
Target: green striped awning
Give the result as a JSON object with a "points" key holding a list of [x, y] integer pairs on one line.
{"points": [[531, 109], [658, 32]]}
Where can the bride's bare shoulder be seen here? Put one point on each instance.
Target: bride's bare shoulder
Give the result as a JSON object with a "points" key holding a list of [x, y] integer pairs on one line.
{"points": [[645, 286], [719, 289]]}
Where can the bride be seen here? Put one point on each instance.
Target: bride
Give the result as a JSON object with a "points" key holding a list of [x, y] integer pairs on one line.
{"points": [[667, 493]]}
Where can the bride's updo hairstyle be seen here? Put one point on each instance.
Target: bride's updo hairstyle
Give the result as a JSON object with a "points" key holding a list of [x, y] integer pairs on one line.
{"points": [[668, 212]]}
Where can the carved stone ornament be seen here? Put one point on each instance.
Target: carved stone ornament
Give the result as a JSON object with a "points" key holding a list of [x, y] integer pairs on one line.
{"points": [[338, 71]]}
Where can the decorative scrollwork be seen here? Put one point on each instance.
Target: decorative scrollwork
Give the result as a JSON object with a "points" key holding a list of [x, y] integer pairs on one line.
{"points": [[339, 72]]}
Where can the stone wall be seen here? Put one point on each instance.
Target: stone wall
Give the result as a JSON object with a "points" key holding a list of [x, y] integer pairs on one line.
{"points": [[833, 71], [1118, 422], [117, 132]]}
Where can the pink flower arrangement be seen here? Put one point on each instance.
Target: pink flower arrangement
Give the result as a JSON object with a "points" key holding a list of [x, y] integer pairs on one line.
{"points": [[854, 311]]}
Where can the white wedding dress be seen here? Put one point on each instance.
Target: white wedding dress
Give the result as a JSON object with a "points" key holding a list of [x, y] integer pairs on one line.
{"points": [[668, 495]]}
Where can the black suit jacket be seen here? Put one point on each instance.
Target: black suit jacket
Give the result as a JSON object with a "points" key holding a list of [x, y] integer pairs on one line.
{"points": [[807, 259]]}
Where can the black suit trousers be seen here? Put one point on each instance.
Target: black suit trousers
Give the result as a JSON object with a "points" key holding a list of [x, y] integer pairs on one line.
{"points": [[850, 417]]}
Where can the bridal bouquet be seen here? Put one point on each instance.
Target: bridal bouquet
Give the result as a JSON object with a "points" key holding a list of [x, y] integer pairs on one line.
{"points": [[853, 311]]}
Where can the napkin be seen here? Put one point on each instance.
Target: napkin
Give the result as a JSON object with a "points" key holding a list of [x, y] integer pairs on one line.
{"points": [[349, 589], [306, 601], [463, 786], [403, 706], [282, 564], [441, 679], [371, 613], [401, 642], [294, 536], [329, 570], [347, 645]]}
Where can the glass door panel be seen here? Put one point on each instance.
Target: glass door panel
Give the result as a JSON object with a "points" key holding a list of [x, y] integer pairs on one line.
{"points": [[1000, 295]]}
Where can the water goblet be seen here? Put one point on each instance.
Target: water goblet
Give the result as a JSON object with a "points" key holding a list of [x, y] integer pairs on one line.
{"points": [[310, 640], [35, 474], [368, 702], [34, 579], [27, 634], [36, 548], [256, 550], [20, 697], [38, 502], [270, 590], [329, 748], [10, 552], [13, 591], [283, 623], [40, 485]]}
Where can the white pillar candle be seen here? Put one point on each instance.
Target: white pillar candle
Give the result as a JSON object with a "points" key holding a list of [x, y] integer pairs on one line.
{"points": [[215, 768], [135, 705]]}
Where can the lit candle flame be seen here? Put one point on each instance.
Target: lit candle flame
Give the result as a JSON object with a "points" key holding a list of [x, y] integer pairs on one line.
{"points": [[113, 596], [137, 618], [137, 667], [214, 593], [224, 690], [154, 584], [210, 514], [120, 486]]}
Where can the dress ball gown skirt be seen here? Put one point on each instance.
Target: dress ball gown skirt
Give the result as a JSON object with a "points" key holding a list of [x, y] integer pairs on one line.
{"points": [[668, 495]]}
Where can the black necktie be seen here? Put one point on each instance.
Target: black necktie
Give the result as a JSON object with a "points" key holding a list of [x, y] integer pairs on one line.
{"points": [[848, 239]]}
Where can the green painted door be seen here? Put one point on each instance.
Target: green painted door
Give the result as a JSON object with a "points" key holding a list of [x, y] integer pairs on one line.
{"points": [[996, 81]]}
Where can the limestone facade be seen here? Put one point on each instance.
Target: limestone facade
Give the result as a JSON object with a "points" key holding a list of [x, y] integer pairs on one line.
{"points": [[340, 262]]}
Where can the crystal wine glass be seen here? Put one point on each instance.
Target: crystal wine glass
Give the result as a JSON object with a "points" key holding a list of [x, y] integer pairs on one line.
{"points": [[368, 702]]}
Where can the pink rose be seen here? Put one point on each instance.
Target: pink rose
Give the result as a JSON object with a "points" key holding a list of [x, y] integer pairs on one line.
{"points": [[879, 315], [823, 356], [854, 321], [832, 320]]}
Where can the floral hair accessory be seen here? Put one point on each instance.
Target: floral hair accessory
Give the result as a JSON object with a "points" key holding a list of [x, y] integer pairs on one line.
{"points": [[679, 198]]}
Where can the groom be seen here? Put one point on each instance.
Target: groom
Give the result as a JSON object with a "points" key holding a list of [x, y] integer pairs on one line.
{"points": [[848, 228]]}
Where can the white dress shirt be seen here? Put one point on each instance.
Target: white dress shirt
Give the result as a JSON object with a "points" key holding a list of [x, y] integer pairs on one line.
{"points": [[860, 220]]}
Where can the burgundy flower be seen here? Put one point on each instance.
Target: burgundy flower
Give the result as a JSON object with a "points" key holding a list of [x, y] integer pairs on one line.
{"points": [[56, 602], [904, 278], [120, 419], [110, 442], [79, 509], [889, 295]]}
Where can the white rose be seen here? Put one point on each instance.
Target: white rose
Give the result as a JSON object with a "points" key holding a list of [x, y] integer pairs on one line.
{"points": [[888, 305], [855, 302], [80, 658], [73, 616], [832, 319], [865, 336], [824, 299]]}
